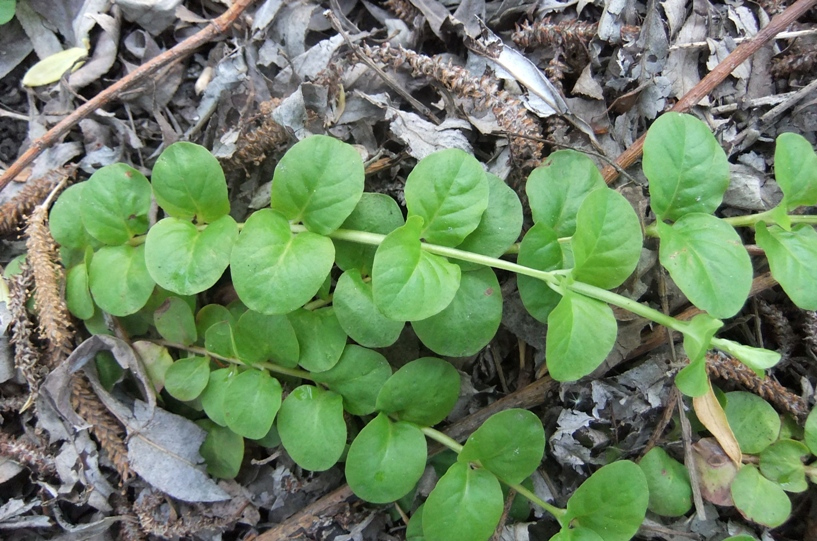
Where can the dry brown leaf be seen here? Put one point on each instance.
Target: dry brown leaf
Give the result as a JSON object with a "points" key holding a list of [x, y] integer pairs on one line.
{"points": [[712, 416]]}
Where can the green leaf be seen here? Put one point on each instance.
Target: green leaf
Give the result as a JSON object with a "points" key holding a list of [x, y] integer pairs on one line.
{"points": [[187, 261], [312, 428], [374, 213], [119, 279], [223, 451], [539, 250], [577, 534], [707, 260], [500, 224], [260, 337], [211, 314], [612, 502], [219, 339], [188, 182], [156, 360], [250, 403], [318, 182], [759, 499], [465, 505], [581, 332], [51, 68], [423, 391], [668, 481], [449, 191], [471, 320], [414, 530], [65, 221], [607, 241], [115, 203], [77, 294], [687, 169], [754, 421], [186, 378], [510, 444], [357, 314], [758, 359], [409, 283], [557, 189], [274, 271], [357, 377], [782, 462], [320, 336], [386, 460], [795, 169], [7, 8], [792, 259], [174, 321], [810, 431], [212, 398], [692, 380]]}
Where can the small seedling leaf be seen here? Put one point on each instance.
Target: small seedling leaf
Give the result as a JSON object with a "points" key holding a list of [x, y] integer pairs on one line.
{"points": [[212, 398], [188, 182], [500, 224], [423, 391], [539, 250], [782, 462], [707, 260], [211, 314], [759, 499], [668, 481], [510, 444], [795, 169], [465, 505], [319, 182], [312, 428], [386, 460], [274, 271], [320, 337], [359, 316], [357, 377], [374, 213], [51, 68], [792, 259], [557, 189], [219, 339], [119, 279], [250, 403], [77, 294], [115, 203], [449, 191], [687, 168], [174, 321], [607, 241], [753, 420], [758, 359], [409, 283], [185, 379], [260, 337], [471, 320], [612, 502], [223, 451], [692, 380], [581, 332], [65, 221]]}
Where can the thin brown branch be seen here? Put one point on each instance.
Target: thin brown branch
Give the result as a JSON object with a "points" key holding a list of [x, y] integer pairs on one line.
{"points": [[217, 26]]}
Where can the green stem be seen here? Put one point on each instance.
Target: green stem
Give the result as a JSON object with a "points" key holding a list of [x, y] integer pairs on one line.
{"points": [[441, 438], [749, 220], [272, 367]]}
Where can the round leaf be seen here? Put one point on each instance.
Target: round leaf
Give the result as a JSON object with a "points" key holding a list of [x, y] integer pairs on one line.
{"points": [[188, 182], [77, 295], [707, 260], [581, 332], [449, 190], [607, 241], [754, 421], [577, 534], [423, 391], [211, 314], [274, 271], [119, 279], [7, 8], [250, 403], [510, 444], [668, 481], [320, 337], [810, 431], [223, 451], [687, 169], [386, 460], [187, 261], [374, 213], [612, 502], [65, 222], [557, 189], [539, 250], [312, 428], [409, 283], [212, 398], [115, 204], [318, 182], [759, 499], [260, 337], [795, 169], [782, 462], [174, 321], [792, 258], [357, 377], [471, 320], [465, 505], [500, 224], [219, 339], [357, 314], [186, 378]]}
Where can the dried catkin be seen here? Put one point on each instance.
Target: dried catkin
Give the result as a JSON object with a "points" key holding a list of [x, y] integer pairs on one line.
{"points": [[14, 211], [28, 455], [26, 355]]}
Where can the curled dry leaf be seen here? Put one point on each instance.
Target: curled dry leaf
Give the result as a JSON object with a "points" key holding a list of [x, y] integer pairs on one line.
{"points": [[712, 416]]}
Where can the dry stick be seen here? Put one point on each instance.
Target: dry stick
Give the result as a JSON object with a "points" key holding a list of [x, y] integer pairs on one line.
{"points": [[217, 26], [743, 51]]}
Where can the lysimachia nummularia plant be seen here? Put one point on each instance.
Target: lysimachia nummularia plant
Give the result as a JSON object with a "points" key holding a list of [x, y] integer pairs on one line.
{"points": [[300, 326]]}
